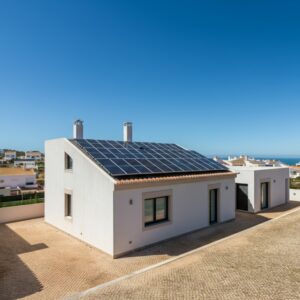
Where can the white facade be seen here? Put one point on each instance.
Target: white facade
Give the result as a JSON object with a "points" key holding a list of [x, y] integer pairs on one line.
{"points": [[253, 177], [33, 155], [18, 180], [9, 155], [25, 163], [110, 216]]}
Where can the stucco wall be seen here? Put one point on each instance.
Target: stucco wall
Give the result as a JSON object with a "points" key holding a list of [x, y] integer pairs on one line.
{"points": [[21, 212], [189, 211], [16, 180], [278, 191], [92, 195], [294, 195]]}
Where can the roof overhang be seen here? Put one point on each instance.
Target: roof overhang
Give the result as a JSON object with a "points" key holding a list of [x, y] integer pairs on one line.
{"points": [[124, 184]]}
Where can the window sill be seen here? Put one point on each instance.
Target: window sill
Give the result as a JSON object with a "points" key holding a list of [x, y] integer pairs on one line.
{"points": [[154, 226], [69, 170], [69, 219]]}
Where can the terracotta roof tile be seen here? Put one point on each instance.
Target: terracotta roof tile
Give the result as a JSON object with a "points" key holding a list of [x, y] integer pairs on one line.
{"points": [[173, 178]]}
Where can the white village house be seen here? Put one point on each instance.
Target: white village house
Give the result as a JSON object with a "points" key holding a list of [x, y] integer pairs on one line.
{"points": [[26, 163], [120, 196], [259, 188], [12, 178], [36, 155], [9, 155]]}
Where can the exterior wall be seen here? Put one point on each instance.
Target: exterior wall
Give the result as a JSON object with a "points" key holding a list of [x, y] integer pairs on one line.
{"points": [[278, 194], [294, 195], [92, 195], [189, 211], [276, 177], [10, 155], [21, 212], [14, 181], [5, 192], [26, 164]]}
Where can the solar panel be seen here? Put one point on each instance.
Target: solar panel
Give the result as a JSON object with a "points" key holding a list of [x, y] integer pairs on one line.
{"points": [[120, 159]]}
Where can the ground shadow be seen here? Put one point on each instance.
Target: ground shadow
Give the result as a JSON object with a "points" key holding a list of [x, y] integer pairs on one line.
{"points": [[16, 279], [202, 237]]}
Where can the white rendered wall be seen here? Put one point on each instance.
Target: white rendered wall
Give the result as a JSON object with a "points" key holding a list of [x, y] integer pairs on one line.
{"points": [[294, 195], [14, 181], [92, 195], [190, 211], [254, 176], [276, 177]]}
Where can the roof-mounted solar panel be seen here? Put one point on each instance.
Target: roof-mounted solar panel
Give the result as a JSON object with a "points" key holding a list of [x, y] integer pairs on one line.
{"points": [[121, 159]]}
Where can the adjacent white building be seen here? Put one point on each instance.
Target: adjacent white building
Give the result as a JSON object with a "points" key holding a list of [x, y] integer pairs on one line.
{"points": [[17, 177], [10, 154], [259, 188], [28, 163], [118, 214], [36, 155]]}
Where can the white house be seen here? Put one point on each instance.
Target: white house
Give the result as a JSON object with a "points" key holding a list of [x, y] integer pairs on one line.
{"points": [[259, 188], [120, 196], [25, 163], [10, 154], [17, 177], [37, 155]]}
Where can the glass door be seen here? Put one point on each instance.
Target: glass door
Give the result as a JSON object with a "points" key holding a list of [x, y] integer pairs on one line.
{"points": [[213, 206], [264, 195]]}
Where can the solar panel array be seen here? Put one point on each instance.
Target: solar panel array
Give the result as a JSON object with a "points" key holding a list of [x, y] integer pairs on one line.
{"points": [[121, 159]]}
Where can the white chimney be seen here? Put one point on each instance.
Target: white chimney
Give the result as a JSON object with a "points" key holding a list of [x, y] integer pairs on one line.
{"points": [[78, 129], [127, 132]]}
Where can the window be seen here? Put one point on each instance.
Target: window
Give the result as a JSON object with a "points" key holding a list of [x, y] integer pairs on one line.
{"points": [[213, 206], [264, 195], [156, 210], [68, 205], [68, 162]]}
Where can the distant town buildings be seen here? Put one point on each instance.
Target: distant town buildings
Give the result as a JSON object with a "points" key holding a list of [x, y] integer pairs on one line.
{"points": [[36, 155], [14, 178], [10, 155], [246, 161], [27, 163]]}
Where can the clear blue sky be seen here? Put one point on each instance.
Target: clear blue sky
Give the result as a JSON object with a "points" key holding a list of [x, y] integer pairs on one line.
{"points": [[220, 77]]}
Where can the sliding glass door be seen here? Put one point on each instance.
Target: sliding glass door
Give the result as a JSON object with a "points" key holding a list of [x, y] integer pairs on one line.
{"points": [[264, 195], [213, 206]]}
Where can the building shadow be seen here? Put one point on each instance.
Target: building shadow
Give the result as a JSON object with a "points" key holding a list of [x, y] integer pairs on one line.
{"points": [[16, 279], [190, 241]]}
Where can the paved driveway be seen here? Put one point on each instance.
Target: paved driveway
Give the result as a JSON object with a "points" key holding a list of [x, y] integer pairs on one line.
{"points": [[38, 261], [262, 263]]}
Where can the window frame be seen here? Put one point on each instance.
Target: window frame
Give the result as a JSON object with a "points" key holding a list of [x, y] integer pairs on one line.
{"points": [[154, 216], [168, 211], [68, 205], [68, 162]]}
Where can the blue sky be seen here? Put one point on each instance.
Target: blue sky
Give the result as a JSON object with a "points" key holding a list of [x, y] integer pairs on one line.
{"points": [[221, 77]]}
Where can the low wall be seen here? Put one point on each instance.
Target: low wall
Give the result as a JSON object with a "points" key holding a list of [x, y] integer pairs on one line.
{"points": [[21, 212], [294, 195]]}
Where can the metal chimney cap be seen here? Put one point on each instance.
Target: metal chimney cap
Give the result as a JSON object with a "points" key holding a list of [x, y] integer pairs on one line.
{"points": [[127, 124], [78, 122]]}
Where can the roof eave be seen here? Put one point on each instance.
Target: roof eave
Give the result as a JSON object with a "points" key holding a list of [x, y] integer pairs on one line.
{"points": [[167, 180]]}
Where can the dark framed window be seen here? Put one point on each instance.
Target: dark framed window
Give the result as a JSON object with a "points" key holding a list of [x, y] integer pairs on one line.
{"points": [[264, 195], [68, 205], [213, 206], [156, 210], [68, 162]]}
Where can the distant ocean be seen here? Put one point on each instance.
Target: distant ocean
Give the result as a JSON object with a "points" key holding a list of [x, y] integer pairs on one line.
{"points": [[291, 161]]}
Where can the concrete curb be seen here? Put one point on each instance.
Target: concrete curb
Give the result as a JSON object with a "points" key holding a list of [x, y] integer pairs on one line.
{"points": [[170, 260]]}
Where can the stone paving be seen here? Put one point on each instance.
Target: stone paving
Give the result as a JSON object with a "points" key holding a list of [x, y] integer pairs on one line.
{"points": [[263, 263], [38, 261]]}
